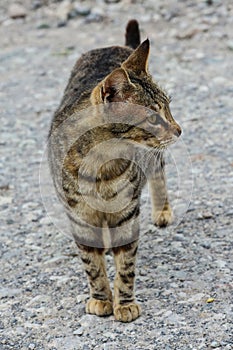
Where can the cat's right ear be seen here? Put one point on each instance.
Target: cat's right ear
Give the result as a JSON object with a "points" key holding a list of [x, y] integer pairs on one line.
{"points": [[115, 86], [138, 60]]}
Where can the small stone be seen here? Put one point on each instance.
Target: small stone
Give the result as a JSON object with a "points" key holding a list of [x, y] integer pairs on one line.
{"points": [[31, 346], [17, 11], [229, 212], [63, 11], [179, 237], [82, 10], [206, 245], [61, 24], [112, 1], [210, 300], [97, 15], [81, 298], [204, 215], [181, 275], [56, 259], [230, 45], [219, 80], [36, 4], [9, 292], [203, 88], [79, 331], [214, 344], [196, 298], [5, 200], [200, 55], [189, 34], [72, 14], [5, 187], [86, 320], [43, 26], [207, 215], [221, 264]]}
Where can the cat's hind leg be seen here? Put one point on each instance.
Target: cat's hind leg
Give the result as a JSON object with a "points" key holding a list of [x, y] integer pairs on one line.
{"points": [[100, 302]]}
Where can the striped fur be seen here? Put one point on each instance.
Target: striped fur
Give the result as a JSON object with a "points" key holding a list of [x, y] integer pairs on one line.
{"points": [[100, 161]]}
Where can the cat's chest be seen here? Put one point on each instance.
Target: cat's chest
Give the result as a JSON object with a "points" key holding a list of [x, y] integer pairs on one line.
{"points": [[119, 178]]}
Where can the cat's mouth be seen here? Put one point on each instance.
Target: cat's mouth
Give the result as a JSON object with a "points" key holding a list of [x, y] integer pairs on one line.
{"points": [[153, 143], [168, 142]]}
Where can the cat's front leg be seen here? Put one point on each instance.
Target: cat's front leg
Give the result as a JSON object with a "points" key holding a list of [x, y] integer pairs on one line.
{"points": [[161, 211], [100, 302], [125, 307]]}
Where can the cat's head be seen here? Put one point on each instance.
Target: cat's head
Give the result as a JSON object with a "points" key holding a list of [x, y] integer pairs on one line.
{"points": [[132, 84]]}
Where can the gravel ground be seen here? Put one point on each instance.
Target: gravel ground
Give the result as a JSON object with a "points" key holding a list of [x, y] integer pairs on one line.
{"points": [[184, 273]]}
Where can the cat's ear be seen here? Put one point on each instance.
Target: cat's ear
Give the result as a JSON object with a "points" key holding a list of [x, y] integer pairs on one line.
{"points": [[115, 85], [138, 60]]}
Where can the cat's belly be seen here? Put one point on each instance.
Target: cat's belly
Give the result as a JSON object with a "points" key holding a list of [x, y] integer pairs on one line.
{"points": [[96, 203], [105, 229]]}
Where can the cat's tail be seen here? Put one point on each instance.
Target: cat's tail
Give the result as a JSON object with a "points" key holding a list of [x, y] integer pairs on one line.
{"points": [[132, 35]]}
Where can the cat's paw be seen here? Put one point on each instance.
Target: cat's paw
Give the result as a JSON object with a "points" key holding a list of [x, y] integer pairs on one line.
{"points": [[127, 313], [99, 307], [162, 218]]}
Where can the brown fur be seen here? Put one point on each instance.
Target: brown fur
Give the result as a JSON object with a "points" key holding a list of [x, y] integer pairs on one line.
{"points": [[103, 146]]}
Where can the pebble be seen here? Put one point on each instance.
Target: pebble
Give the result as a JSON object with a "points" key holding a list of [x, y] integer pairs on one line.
{"points": [[112, 1], [186, 34], [97, 15], [204, 88], [196, 298], [36, 4], [9, 292], [228, 347], [230, 45], [63, 10], [78, 331], [218, 80], [5, 200], [109, 335], [212, 20], [17, 11], [61, 23], [56, 259], [221, 263], [86, 320], [43, 26], [206, 245], [204, 215], [82, 9], [81, 298], [229, 212]]}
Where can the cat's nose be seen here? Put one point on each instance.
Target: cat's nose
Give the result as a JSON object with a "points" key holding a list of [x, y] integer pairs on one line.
{"points": [[177, 130]]}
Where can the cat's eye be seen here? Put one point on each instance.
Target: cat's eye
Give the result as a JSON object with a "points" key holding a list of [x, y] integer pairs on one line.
{"points": [[152, 119]]}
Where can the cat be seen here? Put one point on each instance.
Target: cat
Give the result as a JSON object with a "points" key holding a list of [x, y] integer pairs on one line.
{"points": [[106, 140]]}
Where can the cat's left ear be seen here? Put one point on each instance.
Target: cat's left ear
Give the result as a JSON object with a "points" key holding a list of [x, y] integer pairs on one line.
{"points": [[138, 60], [115, 85]]}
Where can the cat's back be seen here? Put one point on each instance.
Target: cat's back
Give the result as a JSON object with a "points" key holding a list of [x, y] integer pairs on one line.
{"points": [[92, 67]]}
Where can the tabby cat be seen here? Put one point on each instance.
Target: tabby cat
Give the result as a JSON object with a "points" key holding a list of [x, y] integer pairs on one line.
{"points": [[106, 140]]}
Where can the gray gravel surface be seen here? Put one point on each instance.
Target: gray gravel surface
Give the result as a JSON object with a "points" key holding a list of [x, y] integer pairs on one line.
{"points": [[184, 272]]}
